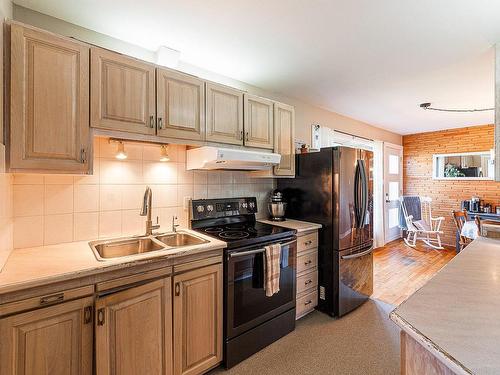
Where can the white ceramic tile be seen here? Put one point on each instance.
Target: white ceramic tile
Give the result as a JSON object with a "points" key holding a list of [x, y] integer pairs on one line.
{"points": [[164, 195], [226, 191], [213, 177], [90, 179], [184, 176], [133, 223], [110, 197], [183, 192], [86, 226], [86, 198], [160, 173], [58, 199], [28, 179], [28, 231], [226, 177], [152, 152], [111, 171], [181, 153], [58, 229], [107, 149], [95, 147], [110, 224], [132, 196], [134, 151], [58, 179], [28, 200], [214, 191], [132, 172], [200, 177], [200, 192]]}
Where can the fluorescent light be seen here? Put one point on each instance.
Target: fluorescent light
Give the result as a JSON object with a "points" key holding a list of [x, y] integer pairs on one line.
{"points": [[167, 57]]}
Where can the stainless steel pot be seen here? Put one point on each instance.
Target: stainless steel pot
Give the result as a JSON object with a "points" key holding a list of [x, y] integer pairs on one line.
{"points": [[277, 210]]}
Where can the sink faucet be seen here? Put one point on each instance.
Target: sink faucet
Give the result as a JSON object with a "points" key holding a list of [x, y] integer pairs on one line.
{"points": [[146, 211], [174, 226]]}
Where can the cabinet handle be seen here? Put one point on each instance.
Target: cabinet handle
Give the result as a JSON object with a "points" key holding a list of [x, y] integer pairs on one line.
{"points": [[308, 303], [246, 136], [308, 242], [54, 298], [177, 289], [100, 317], [308, 262], [308, 282], [87, 315], [160, 123], [151, 121], [241, 135], [83, 156]]}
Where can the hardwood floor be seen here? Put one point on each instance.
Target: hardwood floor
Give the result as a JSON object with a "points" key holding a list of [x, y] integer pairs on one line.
{"points": [[399, 270]]}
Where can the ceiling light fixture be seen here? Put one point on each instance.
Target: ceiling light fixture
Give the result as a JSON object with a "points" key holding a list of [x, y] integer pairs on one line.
{"points": [[427, 106], [120, 151], [164, 153]]}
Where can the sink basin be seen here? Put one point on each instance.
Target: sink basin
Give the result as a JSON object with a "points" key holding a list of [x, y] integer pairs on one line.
{"points": [[180, 239], [125, 247]]}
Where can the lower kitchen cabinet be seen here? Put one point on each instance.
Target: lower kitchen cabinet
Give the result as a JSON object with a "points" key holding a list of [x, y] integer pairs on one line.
{"points": [[134, 330], [307, 273], [198, 320], [55, 340]]}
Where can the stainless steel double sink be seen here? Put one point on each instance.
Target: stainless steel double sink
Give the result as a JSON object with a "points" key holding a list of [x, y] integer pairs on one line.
{"points": [[129, 246]]}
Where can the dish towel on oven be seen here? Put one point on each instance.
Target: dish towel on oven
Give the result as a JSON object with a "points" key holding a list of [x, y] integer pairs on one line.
{"points": [[272, 269]]}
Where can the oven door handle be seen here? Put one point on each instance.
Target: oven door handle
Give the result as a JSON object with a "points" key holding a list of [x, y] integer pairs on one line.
{"points": [[256, 251], [357, 255]]}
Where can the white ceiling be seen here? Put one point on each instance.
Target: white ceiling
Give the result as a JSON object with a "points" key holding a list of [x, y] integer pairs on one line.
{"points": [[371, 60]]}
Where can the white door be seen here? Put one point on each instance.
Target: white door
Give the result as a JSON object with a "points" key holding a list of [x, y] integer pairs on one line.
{"points": [[393, 189]]}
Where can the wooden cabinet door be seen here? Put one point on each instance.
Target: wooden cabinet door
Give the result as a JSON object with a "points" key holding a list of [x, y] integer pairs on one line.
{"points": [[284, 143], [180, 105], [54, 340], [122, 92], [49, 102], [224, 114], [259, 125], [198, 320], [134, 331]]}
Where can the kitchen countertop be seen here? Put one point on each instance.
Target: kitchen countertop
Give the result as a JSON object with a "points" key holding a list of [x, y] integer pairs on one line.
{"points": [[41, 265], [299, 226], [456, 314]]}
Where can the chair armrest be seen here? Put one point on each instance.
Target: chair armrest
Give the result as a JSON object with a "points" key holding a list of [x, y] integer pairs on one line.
{"points": [[440, 218]]}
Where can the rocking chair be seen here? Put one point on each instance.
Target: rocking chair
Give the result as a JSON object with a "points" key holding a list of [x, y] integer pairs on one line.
{"points": [[416, 219]]}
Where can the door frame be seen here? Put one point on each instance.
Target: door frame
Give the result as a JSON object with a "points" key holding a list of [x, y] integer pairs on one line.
{"points": [[387, 145]]}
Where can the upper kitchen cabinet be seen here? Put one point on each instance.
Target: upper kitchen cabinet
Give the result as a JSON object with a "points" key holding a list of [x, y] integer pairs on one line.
{"points": [[224, 114], [259, 128], [122, 91], [284, 144], [49, 102], [180, 105]]}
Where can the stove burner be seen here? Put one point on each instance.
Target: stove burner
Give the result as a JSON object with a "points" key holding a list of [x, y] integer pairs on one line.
{"points": [[236, 227], [214, 230], [233, 235]]}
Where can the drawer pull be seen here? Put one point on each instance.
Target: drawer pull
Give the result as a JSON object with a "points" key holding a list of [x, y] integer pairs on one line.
{"points": [[308, 262], [308, 282], [100, 317], [308, 302], [55, 298], [307, 243]]}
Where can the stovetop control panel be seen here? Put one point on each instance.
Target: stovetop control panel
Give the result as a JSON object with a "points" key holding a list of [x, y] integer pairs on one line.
{"points": [[213, 208]]}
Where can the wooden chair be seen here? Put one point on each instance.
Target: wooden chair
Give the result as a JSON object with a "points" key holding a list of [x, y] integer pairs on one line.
{"points": [[478, 223], [460, 217]]}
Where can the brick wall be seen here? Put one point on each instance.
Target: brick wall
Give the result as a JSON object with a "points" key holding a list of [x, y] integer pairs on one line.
{"points": [[446, 195]]}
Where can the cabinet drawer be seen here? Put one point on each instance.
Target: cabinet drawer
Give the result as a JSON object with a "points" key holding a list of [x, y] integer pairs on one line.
{"points": [[307, 261], [307, 281], [306, 304], [307, 241]]}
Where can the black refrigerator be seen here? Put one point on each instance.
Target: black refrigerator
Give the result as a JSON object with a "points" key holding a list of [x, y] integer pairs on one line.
{"points": [[334, 187]]}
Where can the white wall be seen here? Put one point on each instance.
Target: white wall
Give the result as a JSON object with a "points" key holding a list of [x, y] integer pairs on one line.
{"points": [[305, 114]]}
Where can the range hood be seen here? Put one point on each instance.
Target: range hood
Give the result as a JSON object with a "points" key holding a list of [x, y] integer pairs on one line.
{"points": [[208, 157]]}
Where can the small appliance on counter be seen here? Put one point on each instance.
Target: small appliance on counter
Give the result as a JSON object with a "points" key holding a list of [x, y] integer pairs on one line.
{"points": [[277, 206]]}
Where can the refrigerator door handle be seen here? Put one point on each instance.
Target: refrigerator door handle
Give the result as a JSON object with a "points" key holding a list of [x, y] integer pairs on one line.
{"points": [[364, 193], [356, 195], [358, 255]]}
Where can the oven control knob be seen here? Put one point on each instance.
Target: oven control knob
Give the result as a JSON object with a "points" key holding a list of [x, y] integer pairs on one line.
{"points": [[244, 205], [251, 204], [210, 208], [200, 209]]}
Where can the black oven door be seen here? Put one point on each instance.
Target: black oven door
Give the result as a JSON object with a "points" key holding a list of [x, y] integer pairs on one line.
{"points": [[246, 303]]}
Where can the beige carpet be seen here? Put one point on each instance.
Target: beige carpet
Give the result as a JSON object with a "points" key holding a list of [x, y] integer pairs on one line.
{"points": [[363, 342]]}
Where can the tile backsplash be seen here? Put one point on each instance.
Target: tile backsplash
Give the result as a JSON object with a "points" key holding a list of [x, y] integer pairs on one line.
{"points": [[51, 209]]}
